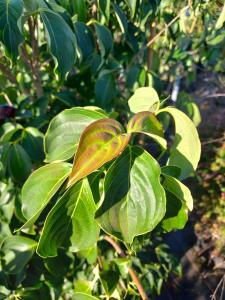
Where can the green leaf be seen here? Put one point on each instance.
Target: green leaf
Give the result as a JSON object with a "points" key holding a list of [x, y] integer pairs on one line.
{"points": [[72, 218], [134, 200], [109, 280], [100, 142], [132, 6], [105, 39], [85, 41], [171, 171], [19, 163], [17, 251], [121, 18], [105, 90], [40, 187], [179, 190], [144, 99], [79, 8], [104, 6], [64, 131], [186, 149], [10, 35], [7, 130], [146, 122], [33, 144], [221, 19], [31, 5], [83, 296], [176, 213], [56, 28]]}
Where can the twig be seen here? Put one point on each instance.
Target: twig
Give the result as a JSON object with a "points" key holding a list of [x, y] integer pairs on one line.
{"points": [[35, 61], [131, 271], [8, 73], [167, 26], [213, 296], [219, 140], [215, 95]]}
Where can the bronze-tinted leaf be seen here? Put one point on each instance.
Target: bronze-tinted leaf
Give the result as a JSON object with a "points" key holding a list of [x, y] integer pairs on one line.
{"points": [[100, 142]]}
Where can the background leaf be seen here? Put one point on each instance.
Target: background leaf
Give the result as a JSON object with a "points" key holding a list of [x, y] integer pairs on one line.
{"points": [[10, 35], [105, 39], [17, 251], [56, 28]]}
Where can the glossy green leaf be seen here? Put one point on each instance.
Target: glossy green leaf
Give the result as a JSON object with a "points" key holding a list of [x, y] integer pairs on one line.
{"points": [[134, 200], [64, 131], [186, 149], [83, 296], [100, 142], [56, 28], [40, 187], [19, 163], [70, 221], [17, 251], [105, 90], [144, 99], [221, 18], [33, 144], [31, 5], [146, 122], [104, 6], [85, 41], [79, 8], [7, 130], [105, 39], [109, 280], [10, 34], [171, 171], [132, 6], [179, 190], [176, 213], [121, 18]]}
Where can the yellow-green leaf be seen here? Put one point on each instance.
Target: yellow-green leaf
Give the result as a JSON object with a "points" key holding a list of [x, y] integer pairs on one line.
{"points": [[144, 99], [186, 149], [100, 142], [146, 122]]}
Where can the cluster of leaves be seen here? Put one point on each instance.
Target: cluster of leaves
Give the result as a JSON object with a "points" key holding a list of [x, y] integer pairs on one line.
{"points": [[112, 185], [68, 56]]}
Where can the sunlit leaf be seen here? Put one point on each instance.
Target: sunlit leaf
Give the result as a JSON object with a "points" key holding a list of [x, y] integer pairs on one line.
{"points": [[64, 131], [70, 221], [40, 187], [134, 200], [179, 190], [17, 251], [176, 213], [146, 122], [100, 142], [186, 149], [221, 18], [144, 99]]}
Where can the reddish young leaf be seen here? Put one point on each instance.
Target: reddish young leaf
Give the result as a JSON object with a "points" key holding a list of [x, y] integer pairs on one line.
{"points": [[100, 142]]}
